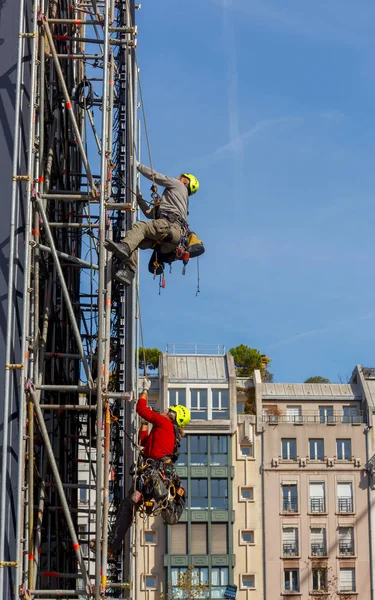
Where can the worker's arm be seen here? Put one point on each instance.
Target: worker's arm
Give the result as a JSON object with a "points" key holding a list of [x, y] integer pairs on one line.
{"points": [[143, 410], [147, 413], [164, 180], [143, 434], [147, 210]]}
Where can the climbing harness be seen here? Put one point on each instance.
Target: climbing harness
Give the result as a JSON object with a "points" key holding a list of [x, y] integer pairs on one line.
{"points": [[157, 489]]}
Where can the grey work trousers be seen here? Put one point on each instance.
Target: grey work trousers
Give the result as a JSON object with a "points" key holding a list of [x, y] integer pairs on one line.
{"points": [[144, 234]]}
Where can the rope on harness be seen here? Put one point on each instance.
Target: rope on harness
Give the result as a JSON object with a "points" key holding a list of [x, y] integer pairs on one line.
{"points": [[198, 279]]}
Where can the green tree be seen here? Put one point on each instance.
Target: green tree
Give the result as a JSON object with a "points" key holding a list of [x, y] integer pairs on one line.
{"points": [[247, 360], [151, 355], [188, 587], [317, 379]]}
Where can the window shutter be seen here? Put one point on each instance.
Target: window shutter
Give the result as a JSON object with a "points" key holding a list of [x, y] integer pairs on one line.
{"points": [[219, 541], [178, 539], [198, 538], [347, 579], [317, 536], [345, 535], [290, 535], [344, 490], [316, 490]]}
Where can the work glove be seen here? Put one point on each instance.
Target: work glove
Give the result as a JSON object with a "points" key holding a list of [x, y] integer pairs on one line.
{"points": [[146, 384]]}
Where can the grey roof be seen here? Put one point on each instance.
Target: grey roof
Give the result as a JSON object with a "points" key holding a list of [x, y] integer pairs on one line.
{"points": [[197, 368], [369, 389], [313, 391]]}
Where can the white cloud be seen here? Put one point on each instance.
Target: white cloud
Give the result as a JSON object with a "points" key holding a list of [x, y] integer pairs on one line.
{"points": [[237, 144], [332, 327]]}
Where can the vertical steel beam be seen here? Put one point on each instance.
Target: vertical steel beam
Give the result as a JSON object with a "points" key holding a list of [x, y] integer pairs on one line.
{"points": [[101, 557]]}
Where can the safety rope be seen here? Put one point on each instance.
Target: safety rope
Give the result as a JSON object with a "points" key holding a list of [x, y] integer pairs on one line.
{"points": [[141, 331]]}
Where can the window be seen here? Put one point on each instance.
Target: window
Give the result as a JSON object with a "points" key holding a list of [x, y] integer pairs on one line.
{"points": [[219, 581], [290, 541], [289, 492], [347, 580], [344, 449], [83, 495], [177, 396], [294, 414], [247, 450], [248, 582], [346, 541], [317, 497], [178, 539], [247, 536], [82, 535], [149, 536], [149, 582], [318, 541], [316, 451], [198, 404], [247, 493], [198, 538], [326, 414], [219, 494], [183, 452], [344, 497], [198, 494], [176, 574], [289, 449], [319, 579], [350, 414], [219, 450], [198, 449], [291, 580], [240, 408], [220, 404], [200, 575], [219, 538]]}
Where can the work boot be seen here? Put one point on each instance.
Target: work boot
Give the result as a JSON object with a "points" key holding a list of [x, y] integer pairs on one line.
{"points": [[125, 276], [119, 249]]}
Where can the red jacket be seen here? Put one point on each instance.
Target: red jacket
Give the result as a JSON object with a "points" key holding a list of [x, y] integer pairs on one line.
{"points": [[161, 439]]}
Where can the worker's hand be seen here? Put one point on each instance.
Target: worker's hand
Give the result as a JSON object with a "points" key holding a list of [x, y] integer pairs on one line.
{"points": [[146, 384]]}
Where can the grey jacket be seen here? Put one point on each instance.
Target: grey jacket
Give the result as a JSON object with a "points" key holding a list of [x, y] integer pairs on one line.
{"points": [[174, 199]]}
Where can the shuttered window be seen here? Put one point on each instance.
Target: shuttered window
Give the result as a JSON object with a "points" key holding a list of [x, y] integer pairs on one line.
{"points": [[198, 538], [219, 538], [178, 539], [347, 580]]}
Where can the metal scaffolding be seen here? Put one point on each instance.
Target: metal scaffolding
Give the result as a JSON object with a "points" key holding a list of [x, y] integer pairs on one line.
{"points": [[78, 365]]}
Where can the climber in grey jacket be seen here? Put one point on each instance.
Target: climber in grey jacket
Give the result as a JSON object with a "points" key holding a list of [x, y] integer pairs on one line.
{"points": [[168, 221]]}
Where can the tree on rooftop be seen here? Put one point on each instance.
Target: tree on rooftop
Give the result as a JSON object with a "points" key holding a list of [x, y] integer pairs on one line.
{"points": [[151, 356], [247, 360], [317, 379]]}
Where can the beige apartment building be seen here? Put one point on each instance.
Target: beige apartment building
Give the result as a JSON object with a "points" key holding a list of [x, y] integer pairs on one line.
{"points": [[316, 521], [277, 500]]}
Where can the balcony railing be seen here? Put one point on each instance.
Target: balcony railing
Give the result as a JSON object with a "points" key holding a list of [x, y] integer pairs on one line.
{"points": [[315, 417], [290, 549], [345, 505], [317, 505], [290, 505], [346, 549], [318, 550]]}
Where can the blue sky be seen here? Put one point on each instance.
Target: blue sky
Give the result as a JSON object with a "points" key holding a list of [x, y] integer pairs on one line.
{"points": [[271, 105]]}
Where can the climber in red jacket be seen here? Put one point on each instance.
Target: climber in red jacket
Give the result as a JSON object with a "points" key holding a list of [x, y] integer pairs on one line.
{"points": [[160, 444]]}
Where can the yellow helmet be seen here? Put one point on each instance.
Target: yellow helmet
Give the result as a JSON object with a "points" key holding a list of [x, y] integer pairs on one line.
{"points": [[182, 414], [194, 183]]}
